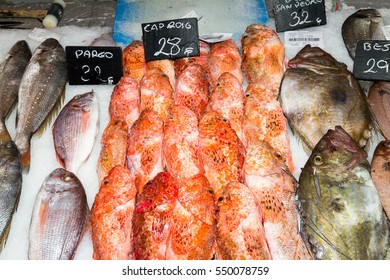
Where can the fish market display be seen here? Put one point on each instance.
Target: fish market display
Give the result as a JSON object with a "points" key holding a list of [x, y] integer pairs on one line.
{"points": [[262, 56], [42, 88], [380, 173], [111, 216], [192, 89], [318, 93], [133, 61], [125, 101], [267, 176], [264, 120], [113, 147], [221, 151], [75, 130], [144, 151], [342, 216], [180, 143], [192, 231], [156, 92], [152, 217], [227, 98], [379, 100], [11, 72], [240, 229], [59, 217], [364, 24], [10, 186], [224, 57]]}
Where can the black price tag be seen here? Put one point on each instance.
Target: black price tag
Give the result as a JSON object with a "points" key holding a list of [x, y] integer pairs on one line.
{"points": [[298, 14], [171, 39], [94, 65], [372, 60]]}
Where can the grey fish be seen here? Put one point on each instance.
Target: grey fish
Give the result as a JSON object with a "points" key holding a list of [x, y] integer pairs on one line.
{"points": [[75, 130], [10, 186], [11, 72], [341, 213], [318, 93], [59, 217], [42, 88], [364, 24]]}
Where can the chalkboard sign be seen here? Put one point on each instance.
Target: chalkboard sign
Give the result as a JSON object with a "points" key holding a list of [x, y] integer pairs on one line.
{"points": [[94, 65], [372, 60], [298, 14], [171, 39]]}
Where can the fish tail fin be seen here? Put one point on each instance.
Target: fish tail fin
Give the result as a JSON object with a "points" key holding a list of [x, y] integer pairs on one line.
{"points": [[25, 160], [4, 236], [4, 134]]}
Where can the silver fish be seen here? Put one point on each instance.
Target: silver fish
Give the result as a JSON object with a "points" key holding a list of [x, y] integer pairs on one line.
{"points": [[75, 130], [365, 24], [10, 186], [41, 89], [11, 72], [59, 217]]}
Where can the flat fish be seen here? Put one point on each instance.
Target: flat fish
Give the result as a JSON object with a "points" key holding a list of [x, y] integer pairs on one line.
{"points": [[75, 130], [10, 186], [59, 217], [318, 93], [11, 72], [112, 214], [42, 88], [342, 217]]}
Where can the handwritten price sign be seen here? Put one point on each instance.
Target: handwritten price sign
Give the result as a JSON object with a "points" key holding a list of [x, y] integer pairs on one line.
{"points": [[298, 14], [94, 65], [372, 60], [171, 39]]}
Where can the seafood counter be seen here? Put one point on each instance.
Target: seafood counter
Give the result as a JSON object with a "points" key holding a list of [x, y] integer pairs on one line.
{"points": [[256, 149]]}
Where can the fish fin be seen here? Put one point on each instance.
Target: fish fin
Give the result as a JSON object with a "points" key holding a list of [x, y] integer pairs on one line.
{"points": [[52, 115], [4, 134], [60, 160], [316, 184], [4, 236], [25, 160]]}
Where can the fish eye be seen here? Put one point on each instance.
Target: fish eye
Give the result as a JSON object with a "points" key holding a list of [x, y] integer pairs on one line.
{"points": [[67, 177], [318, 160], [247, 94], [105, 183], [220, 198], [78, 96], [224, 120], [211, 191], [278, 155]]}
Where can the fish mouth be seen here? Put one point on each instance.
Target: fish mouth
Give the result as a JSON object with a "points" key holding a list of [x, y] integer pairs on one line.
{"points": [[339, 140]]}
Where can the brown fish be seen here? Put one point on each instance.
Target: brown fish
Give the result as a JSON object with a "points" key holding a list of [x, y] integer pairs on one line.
{"points": [[318, 93], [380, 173], [59, 217], [42, 88], [379, 100], [11, 72]]}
